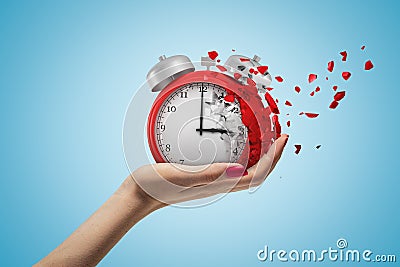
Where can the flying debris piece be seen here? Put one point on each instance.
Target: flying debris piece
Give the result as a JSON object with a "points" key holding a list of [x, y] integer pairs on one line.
{"points": [[311, 115], [221, 68], [339, 95], [312, 77], [368, 65], [344, 55], [262, 69], [333, 104], [213, 54], [331, 65], [346, 75], [298, 148]]}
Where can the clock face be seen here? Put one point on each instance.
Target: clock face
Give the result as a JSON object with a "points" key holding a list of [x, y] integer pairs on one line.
{"points": [[196, 126]]}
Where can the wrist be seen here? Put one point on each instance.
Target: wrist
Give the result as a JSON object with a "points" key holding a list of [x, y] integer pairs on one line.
{"points": [[136, 198]]}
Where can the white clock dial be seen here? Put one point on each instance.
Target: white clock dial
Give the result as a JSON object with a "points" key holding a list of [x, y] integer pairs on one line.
{"points": [[196, 126]]}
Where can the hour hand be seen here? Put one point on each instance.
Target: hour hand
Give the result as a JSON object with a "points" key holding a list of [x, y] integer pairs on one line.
{"points": [[213, 130]]}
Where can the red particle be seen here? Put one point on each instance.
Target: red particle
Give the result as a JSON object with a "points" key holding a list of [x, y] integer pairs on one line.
{"points": [[346, 75], [271, 103], [237, 76], [229, 98], [213, 54], [312, 93], [339, 95], [334, 104], [317, 89], [312, 77], [251, 70], [331, 65], [287, 114], [250, 82], [326, 78], [298, 148], [288, 123], [276, 100], [233, 50], [278, 128], [270, 88], [368, 65], [363, 47], [297, 89], [262, 69], [243, 59], [218, 60], [344, 55], [301, 113], [255, 72], [311, 115], [221, 68], [279, 79], [334, 87], [287, 103]]}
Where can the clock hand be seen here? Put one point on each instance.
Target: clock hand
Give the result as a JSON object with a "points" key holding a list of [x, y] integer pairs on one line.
{"points": [[213, 130], [201, 111]]}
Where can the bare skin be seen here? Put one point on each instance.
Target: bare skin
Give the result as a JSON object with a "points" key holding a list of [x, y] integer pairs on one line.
{"points": [[130, 203]]}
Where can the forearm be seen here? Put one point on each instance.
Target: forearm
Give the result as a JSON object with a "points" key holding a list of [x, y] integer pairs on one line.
{"points": [[96, 236]]}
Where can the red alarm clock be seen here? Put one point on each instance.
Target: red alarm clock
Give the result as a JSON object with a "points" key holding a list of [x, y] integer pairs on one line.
{"points": [[205, 116]]}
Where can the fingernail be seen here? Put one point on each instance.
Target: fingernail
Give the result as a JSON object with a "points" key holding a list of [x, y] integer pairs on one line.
{"points": [[235, 171]]}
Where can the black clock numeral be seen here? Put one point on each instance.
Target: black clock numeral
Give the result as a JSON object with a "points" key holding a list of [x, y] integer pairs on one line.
{"points": [[184, 94], [162, 127], [171, 109], [203, 89], [235, 110], [235, 151], [168, 147]]}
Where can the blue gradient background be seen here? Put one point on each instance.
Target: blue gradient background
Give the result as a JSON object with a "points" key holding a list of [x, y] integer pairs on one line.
{"points": [[68, 70]]}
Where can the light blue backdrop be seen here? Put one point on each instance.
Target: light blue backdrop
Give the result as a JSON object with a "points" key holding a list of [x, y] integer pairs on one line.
{"points": [[68, 70]]}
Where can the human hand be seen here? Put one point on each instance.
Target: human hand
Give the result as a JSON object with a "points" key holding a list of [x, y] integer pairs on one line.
{"points": [[162, 184], [149, 188]]}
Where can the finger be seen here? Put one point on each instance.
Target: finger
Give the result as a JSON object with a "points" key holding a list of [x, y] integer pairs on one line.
{"points": [[258, 172], [278, 152], [265, 165], [192, 176]]}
